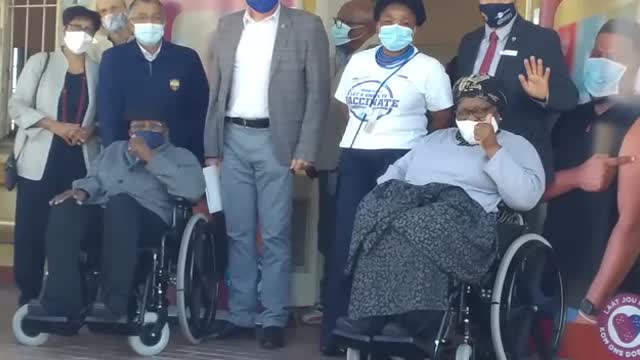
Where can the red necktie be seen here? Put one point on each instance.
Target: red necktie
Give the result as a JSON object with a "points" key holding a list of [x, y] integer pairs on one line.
{"points": [[491, 53]]}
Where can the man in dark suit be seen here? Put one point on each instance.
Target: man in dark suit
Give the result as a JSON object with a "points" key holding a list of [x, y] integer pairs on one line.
{"points": [[528, 62]]}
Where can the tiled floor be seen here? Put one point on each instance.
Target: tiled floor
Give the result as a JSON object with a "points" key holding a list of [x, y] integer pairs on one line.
{"points": [[302, 345]]}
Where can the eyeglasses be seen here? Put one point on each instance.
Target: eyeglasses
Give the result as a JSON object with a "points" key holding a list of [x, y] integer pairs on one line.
{"points": [[147, 125], [78, 27], [140, 19], [478, 113], [339, 23]]}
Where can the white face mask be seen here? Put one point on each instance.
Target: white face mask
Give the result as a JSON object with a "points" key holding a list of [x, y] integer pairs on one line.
{"points": [[78, 42], [467, 129]]}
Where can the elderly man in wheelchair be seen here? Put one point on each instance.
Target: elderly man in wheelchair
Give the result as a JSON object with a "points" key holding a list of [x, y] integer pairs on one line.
{"points": [[128, 200], [427, 234]]}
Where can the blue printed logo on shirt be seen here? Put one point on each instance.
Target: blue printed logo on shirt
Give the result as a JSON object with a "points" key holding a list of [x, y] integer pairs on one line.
{"points": [[363, 105]]}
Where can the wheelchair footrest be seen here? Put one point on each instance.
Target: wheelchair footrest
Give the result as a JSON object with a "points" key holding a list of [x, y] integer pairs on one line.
{"points": [[104, 327], [58, 325], [407, 347], [354, 341]]}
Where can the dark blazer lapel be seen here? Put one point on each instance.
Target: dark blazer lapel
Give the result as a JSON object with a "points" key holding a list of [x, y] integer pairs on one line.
{"points": [[282, 37], [513, 43], [469, 53]]}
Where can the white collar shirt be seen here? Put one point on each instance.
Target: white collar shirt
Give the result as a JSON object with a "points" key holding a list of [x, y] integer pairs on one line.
{"points": [[249, 97]]}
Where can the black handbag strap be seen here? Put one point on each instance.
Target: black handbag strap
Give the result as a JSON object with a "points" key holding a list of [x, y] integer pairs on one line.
{"points": [[44, 68]]}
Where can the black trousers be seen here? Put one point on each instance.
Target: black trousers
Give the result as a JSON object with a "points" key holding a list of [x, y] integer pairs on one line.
{"points": [[64, 165], [326, 223], [358, 172], [125, 225]]}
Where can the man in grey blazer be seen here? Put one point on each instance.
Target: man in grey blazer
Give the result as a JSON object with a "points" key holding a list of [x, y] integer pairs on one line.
{"points": [[269, 98]]}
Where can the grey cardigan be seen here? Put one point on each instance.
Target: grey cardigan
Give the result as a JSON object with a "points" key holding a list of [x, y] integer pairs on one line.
{"points": [[33, 143], [172, 172]]}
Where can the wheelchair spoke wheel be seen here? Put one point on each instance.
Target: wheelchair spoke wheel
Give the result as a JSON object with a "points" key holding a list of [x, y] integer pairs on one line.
{"points": [[527, 311], [197, 283]]}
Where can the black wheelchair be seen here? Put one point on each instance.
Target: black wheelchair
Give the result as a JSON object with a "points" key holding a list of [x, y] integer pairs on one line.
{"points": [[518, 313], [187, 258]]}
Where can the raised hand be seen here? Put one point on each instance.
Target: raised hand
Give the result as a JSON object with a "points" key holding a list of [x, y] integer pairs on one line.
{"points": [[536, 81]]}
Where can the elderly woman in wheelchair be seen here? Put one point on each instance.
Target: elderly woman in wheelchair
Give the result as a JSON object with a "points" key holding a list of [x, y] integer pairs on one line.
{"points": [[129, 195], [432, 220]]}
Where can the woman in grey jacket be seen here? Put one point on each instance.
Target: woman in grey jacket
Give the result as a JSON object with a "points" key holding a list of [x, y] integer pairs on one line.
{"points": [[54, 109]]}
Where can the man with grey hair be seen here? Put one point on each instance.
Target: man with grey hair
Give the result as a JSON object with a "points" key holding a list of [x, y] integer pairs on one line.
{"points": [[115, 21], [151, 70]]}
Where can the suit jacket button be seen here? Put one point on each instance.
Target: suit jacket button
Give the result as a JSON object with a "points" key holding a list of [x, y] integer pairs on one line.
{"points": [[120, 181]]}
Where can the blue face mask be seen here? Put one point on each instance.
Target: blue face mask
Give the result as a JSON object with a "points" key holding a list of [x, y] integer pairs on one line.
{"points": [[152, 138], [340, 32], [395, 37], [262, 6], [602, 77], [498, 15]]}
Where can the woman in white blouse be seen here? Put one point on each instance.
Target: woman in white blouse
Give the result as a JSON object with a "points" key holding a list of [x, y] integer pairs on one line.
{"points": [[387, 90], [54, 109]]}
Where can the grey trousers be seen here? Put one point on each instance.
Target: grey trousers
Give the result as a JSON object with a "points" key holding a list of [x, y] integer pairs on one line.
{"points": [[256, 190]]}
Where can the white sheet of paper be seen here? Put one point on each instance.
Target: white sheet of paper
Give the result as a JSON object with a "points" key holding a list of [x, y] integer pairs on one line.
{"points": [[212, 180]]}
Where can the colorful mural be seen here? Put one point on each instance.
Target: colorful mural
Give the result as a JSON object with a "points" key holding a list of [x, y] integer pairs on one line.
{"points": [[578, 38]]}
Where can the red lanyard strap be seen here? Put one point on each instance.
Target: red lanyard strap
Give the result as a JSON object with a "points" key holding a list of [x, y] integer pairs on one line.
{"points": [[81, 102]]}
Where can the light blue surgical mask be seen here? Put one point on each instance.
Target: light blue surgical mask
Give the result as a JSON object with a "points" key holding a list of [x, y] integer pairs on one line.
{"points": [[602, 77], [395, 37], [114, 22], [340, 32], [148, 34]]}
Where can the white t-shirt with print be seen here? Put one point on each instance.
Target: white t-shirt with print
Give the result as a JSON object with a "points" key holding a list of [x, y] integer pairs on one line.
{"points": [[400, 107]]}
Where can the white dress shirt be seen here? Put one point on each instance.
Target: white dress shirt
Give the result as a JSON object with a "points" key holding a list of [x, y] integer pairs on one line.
{"points": [[252, 68], [149, 56], [503, 37]]}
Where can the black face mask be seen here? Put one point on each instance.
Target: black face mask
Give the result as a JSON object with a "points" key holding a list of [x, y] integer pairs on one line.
{"points": [[498, 15]]}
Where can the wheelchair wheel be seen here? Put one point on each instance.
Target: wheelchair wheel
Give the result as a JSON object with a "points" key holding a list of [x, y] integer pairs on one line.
{"points": [[527, 307], [464, 352], [196, 280], [353, 354], [152, 340], [24, 335]]}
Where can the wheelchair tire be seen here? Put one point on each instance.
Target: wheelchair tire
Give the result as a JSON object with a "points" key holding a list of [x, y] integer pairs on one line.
{"points": [[464, 352], [196, 280], [519, 257], [148, 344], [353, 354], [24, 336]]}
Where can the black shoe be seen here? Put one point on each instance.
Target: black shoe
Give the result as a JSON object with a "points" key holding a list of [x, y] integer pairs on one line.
{"points": [[272, 338], [223, 329], [332, 351], [101, 313], [367, 326], [38, 310], [395, 330]]}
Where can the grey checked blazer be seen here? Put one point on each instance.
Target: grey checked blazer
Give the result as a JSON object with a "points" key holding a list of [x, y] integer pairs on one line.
{"points": [[298, 89]]}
